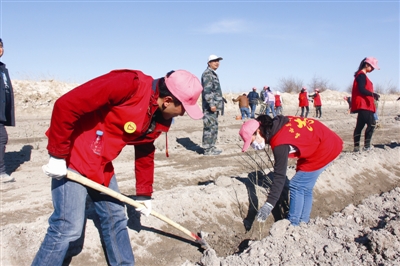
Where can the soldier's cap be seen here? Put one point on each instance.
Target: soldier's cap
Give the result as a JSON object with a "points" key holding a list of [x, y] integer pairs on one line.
{"points": [[214, 57], [187, 88]]}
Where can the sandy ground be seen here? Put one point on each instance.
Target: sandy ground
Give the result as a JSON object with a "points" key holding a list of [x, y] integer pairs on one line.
{"points": [[353, 219]]}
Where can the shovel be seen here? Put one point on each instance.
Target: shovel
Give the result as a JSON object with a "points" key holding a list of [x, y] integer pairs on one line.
{"points": [[96, 186]]}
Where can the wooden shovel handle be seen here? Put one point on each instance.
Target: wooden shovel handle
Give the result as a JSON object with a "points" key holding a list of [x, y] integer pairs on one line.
{"points": [[96, 186]]}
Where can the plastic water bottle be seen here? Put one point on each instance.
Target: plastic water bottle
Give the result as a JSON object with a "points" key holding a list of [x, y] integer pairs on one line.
{"points": [[97, 144]]}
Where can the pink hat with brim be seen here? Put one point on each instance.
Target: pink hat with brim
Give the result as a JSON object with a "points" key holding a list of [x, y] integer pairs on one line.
{"points": [[373, 62], [247, 131], [187, 88]]}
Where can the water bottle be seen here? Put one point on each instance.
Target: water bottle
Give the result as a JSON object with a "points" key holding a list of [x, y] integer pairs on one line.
{"points": [[97, 144]]}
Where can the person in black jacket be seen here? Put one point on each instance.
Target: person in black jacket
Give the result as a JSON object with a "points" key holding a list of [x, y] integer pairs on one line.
{"points": [[7, 115], [253, 100]]}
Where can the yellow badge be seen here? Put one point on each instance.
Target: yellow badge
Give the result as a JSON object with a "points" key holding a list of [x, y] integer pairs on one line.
{"points": [[130, 127]]}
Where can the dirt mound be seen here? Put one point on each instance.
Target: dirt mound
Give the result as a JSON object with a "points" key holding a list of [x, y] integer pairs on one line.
{"points": [[368, 234]]}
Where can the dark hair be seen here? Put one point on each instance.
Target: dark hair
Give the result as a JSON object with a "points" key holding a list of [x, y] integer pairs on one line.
{"points": [[265, 126], [164, 91], [362, 65]]}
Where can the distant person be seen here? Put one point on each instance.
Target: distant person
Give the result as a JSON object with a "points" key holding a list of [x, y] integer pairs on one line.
{"points": [[376, 102], [311, 142], [317, 103], [7, 115], [303, 102], [270, 102], [278, 103], [253, 100], [243, 105], [348, 100], [213, 103], [362, 103], [123, 107], [262, 93]]}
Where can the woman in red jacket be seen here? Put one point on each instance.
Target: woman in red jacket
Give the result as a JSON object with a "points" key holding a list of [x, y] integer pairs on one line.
{"points": [[362, 102], [317, 103], [303, 102], [315, 146]]}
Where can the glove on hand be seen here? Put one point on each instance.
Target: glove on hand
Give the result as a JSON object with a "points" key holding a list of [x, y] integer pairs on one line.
{"points": [[264, 212], [146, 201], [376, 96], [56, 168]]}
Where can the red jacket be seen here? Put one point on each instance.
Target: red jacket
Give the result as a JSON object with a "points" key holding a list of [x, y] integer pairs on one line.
{"points": [[317, 145], [303, 100], [278, 101], [317, 99], [361, 101], [121, 104]]}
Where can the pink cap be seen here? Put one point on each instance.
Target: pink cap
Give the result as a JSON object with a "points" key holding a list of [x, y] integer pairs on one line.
{"points": [[317, 89], [247, 131], [186, 87], [373, 62]]}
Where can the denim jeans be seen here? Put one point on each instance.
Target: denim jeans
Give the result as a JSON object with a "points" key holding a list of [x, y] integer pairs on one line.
{"points": [[301, 195], [245, 112], [271, 105], [67, 221], [253, 109]]}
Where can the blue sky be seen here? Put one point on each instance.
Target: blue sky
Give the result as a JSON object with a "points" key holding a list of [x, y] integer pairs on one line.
{"points": [[261, 41]]}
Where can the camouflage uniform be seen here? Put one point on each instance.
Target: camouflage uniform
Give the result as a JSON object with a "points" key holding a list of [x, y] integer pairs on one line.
{"points": [[211, 96]]}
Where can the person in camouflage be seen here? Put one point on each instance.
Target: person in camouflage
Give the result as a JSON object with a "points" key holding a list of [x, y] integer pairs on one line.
{"points": [[212, 103]]}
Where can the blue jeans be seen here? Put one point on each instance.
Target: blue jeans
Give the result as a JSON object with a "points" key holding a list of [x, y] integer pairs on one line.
{"points": [[253, 107], [68, 219], [245, 112], [271, 105], [301, 195]]}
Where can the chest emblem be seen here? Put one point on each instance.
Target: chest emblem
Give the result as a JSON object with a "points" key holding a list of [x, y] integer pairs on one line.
{"points": [[130, 127]]}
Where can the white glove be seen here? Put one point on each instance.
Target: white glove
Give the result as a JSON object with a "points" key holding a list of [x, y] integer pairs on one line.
{"points": [[264, 212], [146, 209], [56, 168]]}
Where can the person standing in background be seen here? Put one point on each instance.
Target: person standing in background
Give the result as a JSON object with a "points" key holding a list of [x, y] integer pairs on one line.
{"points": [[262, 94], [348, 100], [212, 103], [362, 103], [7, 114], [303, 102], [270, 101], [253, 100], [278, 103], [317, 103]]}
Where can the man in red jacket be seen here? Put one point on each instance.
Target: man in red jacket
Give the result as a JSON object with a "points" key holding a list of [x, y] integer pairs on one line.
{"points": [[124, 107]]}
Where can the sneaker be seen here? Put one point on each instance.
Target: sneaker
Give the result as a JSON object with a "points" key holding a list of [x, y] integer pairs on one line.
{"points": [[356, 149], [212, 151], [370, 148], [5, 178]]}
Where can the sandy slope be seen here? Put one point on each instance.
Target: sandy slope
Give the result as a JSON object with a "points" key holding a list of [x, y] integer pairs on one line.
{"points": [[215, 194]]}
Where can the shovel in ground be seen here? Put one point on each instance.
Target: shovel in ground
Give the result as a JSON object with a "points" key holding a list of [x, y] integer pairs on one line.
{"points": [[96, 186]]}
